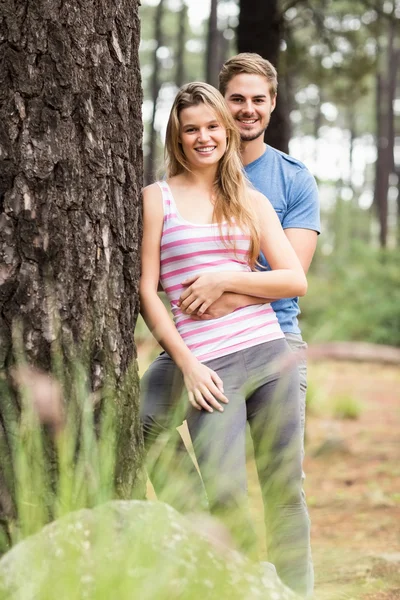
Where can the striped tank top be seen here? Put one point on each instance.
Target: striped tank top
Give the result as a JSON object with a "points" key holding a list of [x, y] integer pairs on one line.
{"points": [[190, 248]]}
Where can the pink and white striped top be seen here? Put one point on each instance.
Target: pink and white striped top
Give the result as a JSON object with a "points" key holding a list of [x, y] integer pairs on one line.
{"points": [[189, 248]]}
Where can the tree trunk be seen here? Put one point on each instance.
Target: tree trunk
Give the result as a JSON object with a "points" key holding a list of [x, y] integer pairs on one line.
{"points": [[351, 124], [151, 159], [392, 75], [260, 31], [180, 53], [223, 52], [71, 175], [213, 41], [385, 96], [381, 171], [354, 352]]}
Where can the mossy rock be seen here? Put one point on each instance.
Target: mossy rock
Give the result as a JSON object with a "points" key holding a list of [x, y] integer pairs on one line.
{"points": [[131, 550]]}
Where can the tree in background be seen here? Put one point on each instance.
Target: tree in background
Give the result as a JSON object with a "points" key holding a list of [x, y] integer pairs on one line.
{"points": [[218, 36], [149, 174], [212, 54], [260, 30], [335, 73], [345, 49], [71, 176], [181, 42], [388, 59], [170, 54], [327, 57]]}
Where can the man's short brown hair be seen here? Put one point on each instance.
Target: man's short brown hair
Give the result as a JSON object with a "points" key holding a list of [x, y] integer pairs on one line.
{"points": [[251, 64]]}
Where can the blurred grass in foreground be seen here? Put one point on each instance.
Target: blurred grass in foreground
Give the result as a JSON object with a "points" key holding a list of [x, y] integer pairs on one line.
{"points": [[126, 558], [70, 539]]}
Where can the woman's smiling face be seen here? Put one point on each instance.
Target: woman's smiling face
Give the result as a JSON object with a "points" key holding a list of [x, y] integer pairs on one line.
{"points": [[202, 136]]}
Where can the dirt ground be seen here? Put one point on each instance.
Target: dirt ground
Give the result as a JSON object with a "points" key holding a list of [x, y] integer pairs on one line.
{"points": [[354, 489], [353, 481]]}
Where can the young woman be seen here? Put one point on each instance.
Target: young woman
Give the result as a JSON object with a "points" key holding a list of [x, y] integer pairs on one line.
{"points": [[203, 231]]}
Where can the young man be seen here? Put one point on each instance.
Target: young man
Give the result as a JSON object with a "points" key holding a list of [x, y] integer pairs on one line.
{"points": [[249, 84]]}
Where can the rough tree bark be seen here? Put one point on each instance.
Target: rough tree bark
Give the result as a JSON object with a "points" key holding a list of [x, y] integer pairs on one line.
{"points": [[70, 181], [260, 31]]}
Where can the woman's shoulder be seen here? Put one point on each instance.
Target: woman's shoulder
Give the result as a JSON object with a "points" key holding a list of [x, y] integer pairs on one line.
{"points": [[153, 193], [152, 189], [152, 199]]}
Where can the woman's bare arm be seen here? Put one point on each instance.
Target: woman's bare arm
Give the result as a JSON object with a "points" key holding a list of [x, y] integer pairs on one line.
{"points": [[286, 279], [203, 385]]}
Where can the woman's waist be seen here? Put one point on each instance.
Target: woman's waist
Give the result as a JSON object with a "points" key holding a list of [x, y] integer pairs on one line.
{"points": [[246, 315], [216, 337]]}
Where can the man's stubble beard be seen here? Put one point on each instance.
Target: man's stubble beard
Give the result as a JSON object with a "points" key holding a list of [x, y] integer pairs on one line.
{"points": [[252, 137]]}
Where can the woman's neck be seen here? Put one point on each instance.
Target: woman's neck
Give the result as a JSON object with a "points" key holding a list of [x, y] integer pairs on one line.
{"points": [[202, 178]]}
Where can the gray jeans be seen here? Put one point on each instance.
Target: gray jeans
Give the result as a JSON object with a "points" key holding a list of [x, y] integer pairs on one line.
{"points": [[298, 345], [262, 385]]}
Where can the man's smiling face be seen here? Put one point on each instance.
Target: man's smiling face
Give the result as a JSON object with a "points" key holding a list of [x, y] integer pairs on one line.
{"points": [[250, 102]]}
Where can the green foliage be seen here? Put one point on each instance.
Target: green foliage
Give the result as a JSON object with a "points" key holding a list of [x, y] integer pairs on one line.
{"points": [[355, 297], [96, 548], [311, 398], [72, 469], [346, 406]]}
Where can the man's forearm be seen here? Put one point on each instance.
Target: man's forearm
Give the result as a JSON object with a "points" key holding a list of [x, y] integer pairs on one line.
{"points": [[228, 303], [243, 300]]}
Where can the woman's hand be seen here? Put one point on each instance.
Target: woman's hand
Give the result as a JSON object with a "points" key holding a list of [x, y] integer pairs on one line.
{"points": [[227, 304], [201, 291], [204, 386]]}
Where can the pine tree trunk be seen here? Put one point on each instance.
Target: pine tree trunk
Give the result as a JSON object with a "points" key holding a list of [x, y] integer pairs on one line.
{"points": [[71, 175], [181, 41], [381, 166], [260, 31], [386, 78], [151, 159], [213, 41]]}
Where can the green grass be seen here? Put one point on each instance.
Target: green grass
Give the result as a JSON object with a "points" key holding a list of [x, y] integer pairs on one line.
{"points": [[71, 540], [345, 406]]}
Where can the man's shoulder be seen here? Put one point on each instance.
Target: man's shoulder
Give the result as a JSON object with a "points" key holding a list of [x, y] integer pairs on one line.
{"points": [[287, 161], [286, 182]]}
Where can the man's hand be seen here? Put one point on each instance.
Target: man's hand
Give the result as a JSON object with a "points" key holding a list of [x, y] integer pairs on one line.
{"points": [[201, 291]]}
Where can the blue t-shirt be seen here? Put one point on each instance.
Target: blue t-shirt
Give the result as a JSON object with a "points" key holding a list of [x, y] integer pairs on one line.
{"points": [[293, 193]]}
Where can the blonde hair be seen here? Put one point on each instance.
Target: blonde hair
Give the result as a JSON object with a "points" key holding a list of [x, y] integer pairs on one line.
{"points": [[232, 196], [251, 64]]}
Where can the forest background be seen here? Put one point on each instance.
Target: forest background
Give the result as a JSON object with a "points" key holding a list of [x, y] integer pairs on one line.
{"points": [[338, 112], [71, 175]]}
